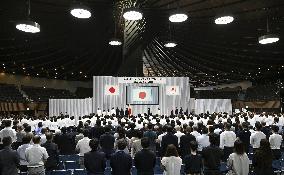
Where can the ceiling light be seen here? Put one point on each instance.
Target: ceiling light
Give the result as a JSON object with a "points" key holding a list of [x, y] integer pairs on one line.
{"points": [[115, 42], [178, 17], [224, 19], [28, 26], [80, 11], [132, 14], [170, 44], [268, 39]]}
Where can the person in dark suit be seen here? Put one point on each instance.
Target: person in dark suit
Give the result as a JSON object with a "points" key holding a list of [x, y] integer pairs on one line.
{"points": [[244, 136], [97, 130], [117, 111], [94, 161], [145, 159], [126, 112], [107, 142], [168, 139], [176, 111], [65, 142], [120, 162], [9, 159], [185, 142], [53, 153]]}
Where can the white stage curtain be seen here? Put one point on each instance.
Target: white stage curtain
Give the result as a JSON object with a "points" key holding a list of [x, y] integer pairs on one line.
{"points": [[213, 105], [166, 102], [72, 107]]}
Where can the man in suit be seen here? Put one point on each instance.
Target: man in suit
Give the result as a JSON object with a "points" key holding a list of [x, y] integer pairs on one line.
{"points": [[65, 142], [107, 142], [168, 139], [53, 153], [95, 161], [185, 142], [9, 159], [97, 130], [120, 162], [145, 159]]}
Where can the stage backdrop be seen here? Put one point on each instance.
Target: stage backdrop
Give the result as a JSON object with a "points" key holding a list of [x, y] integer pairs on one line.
{"points": [[109, 92], [213, 105], [72, 107]]}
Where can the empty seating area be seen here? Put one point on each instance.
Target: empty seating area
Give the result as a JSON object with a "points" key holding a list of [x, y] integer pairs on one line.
{"points": [[82, 92], [10, 93], [263, 92], [216, 94], [41, 94]]}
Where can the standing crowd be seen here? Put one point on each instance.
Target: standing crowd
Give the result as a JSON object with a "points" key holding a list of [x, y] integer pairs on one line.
{"points": [[200, 143]]}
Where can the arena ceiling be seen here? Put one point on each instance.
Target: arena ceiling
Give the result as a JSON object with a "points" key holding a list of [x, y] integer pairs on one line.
{"points": [[76, 49]]}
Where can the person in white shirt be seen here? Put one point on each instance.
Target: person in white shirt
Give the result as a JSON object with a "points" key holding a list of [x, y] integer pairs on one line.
{"points": [[257, 136], [178, 133], [8, 131], [36, 156], [83, 147], [171, 163], [275, 141], [195, 133], [203, 140], [99, 112], [227, 140], [26, 143]]}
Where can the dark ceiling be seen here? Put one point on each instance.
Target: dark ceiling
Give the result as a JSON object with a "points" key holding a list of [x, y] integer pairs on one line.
{"points": [[77, 49]]}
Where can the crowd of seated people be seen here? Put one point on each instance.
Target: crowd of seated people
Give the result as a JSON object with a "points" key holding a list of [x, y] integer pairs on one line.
{"points": [[200, 143]]}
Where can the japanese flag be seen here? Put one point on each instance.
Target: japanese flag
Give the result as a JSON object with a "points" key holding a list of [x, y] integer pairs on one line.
{"points": [[111, 90], [142, 95], [172, 90]]}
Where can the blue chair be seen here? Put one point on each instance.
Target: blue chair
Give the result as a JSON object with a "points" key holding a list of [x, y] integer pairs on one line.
{"points": [[79, 172], [108, 171], [60, 165], [277, 166], [74, 157], [223, 168], [63, 158], [71, 165], [61, 172]]}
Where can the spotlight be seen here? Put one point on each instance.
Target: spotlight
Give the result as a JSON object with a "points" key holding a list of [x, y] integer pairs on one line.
{"points": [[115, 42], [28, 26], [268, 39], [132, 14], [224, 19], [170, 44], [81, 11], [178, 17]]}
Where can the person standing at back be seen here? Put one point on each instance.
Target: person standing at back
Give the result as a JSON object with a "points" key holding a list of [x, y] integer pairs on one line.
{"points": [[185, 142], [256, 137], [275, 141], [227, 140], [8, 131], [107, 142], [193, 161], [36, 157], [95, 161], [212, 156], [120, 162], [145, 159], [171, 163], [152, 137], [83, 147], [168, 139], [9, 159], [244, 136], [53, 153], [238, 161]]}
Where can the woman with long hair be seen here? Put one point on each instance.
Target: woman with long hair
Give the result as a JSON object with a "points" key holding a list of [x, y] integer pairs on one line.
{"points": [[263, 158], [171, 163], [238, 161]]}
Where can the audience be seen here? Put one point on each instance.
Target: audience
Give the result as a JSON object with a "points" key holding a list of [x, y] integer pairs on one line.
{"points": [[120, 139], [121, 162], [238, 161], [193, 161], [171, 163], [36, 157], [263, 158], [9, 159], [145, 159], [95, 161], [53, 153]]}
